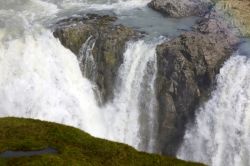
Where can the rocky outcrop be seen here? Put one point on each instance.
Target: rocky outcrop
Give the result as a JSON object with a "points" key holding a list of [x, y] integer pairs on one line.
{"points": [[109, 42], [187, 66], [181, 8]]}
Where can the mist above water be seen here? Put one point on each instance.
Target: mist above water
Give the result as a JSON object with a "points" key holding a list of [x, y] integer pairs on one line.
{"points": [[41, 79]]}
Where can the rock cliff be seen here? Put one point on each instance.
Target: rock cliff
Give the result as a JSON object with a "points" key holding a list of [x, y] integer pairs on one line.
{"points": [[109, 42], [187, 66]]}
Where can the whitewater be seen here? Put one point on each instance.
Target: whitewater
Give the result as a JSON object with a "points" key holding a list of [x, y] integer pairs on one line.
{"points": [[41, 79], [220, 135]]}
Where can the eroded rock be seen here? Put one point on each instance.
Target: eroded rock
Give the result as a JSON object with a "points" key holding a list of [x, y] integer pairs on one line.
{"points": [[109, 45], [187, 66]]}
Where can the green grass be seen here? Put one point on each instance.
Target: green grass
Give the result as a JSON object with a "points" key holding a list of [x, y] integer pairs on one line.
{"points": [[75, 147]]}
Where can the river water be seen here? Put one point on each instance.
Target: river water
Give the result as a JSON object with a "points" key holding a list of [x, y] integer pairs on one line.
{"points": [[41, 79]]}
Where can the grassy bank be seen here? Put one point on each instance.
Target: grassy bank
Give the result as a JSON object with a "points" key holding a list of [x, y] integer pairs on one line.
{"points": [[239, 12], [75, 147]]}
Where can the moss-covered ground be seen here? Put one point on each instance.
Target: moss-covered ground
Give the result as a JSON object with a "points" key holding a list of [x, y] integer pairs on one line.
{"points": [[75, 147]]}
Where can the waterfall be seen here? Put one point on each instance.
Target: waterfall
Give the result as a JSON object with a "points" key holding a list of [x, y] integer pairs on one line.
{"points": [[132, 113], [220, 135], [41, 79]]}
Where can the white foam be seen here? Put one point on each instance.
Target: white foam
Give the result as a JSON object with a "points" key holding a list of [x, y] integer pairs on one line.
{"points": [[41, 79], [221, 133], [116, 5], [124, 111]]}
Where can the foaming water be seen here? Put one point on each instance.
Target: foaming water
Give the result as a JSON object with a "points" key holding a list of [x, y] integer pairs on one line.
{"points": [[116, 5], [132, 118], [41, 79], [220, 136]]}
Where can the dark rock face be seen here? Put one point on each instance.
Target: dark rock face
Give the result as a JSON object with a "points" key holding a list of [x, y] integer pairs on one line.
{"points": [[181, 8], [187, 66], [110, 41]]}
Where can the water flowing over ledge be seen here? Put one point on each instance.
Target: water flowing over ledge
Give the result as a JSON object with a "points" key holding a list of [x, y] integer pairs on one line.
{"points": [[132, 115], [220, 135], [45, 82], [41, 79]]}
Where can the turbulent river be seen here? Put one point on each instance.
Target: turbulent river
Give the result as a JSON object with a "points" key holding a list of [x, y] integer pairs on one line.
{"points": [[221, 134], [41, 79]]}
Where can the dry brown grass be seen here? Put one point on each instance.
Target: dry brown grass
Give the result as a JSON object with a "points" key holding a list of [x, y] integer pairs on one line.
{"points": [[240, 10]]}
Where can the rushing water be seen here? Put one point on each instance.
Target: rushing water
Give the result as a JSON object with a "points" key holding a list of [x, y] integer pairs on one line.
{"points": [[41, 79], [134, 102], [220, 136]]}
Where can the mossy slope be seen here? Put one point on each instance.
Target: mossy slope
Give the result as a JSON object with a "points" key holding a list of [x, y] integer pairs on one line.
{"points": [[75, 147]]}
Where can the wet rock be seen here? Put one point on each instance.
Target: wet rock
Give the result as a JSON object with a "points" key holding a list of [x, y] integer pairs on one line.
{"points": [[109, 45], [181, 8], [187, 66]]}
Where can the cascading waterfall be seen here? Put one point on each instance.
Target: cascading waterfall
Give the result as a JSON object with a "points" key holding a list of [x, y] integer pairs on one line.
{"points": [[134, 102], [220, 136], [41, 79]]}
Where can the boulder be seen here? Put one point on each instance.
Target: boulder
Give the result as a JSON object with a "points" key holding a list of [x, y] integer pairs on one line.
{"points": [[106, 41], [181, 8], [187, 66]]}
